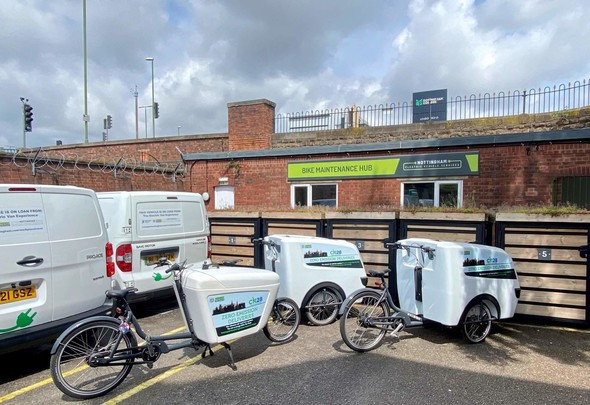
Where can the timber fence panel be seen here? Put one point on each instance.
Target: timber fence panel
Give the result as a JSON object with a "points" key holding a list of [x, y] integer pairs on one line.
{"points": [[550, 258]]}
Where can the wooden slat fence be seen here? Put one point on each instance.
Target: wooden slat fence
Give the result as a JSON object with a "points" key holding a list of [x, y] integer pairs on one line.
{"points": [[552, 267]]}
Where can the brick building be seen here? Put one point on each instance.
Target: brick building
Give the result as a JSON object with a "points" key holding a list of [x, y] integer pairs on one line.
{"points": [[526, 160]]}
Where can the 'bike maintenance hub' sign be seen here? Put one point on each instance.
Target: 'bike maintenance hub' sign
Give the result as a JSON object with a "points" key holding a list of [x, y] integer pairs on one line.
{"points": [[427, 165]]}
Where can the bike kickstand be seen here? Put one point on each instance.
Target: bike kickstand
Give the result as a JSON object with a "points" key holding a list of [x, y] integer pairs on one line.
{"points": [[399, 327], [232, 364], [204, 354]]}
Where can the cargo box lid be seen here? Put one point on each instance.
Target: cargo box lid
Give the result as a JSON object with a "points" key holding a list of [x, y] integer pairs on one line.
{"points": [[224, 277]]}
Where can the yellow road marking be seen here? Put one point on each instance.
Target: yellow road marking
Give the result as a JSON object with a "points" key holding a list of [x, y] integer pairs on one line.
{"points": [[50, 380], [146, 384]]}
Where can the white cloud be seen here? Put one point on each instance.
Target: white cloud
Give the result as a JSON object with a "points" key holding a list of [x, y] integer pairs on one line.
{"points": [[303, 55]]}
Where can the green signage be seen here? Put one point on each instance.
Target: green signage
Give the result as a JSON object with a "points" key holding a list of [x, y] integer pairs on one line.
{"points": [[423, 165]]}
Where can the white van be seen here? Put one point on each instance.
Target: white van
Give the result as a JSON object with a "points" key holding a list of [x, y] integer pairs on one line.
{"points": [[54, 272], [144, 226]]}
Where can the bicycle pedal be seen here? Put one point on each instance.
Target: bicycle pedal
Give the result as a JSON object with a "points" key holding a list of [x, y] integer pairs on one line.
{"points": [[150, 364]]}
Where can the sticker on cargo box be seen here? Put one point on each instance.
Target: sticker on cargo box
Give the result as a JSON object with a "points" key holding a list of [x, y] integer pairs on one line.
{"points": [[159, 219], [324, 255], [21, 220], [235, 312]]}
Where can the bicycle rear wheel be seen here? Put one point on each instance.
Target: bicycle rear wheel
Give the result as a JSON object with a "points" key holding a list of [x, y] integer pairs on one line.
{"points": [[356, 322], [283, 321], [71, 365], [323, 309]]}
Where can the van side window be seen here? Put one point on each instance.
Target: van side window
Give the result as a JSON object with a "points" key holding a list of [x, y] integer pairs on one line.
{"points": [[74, 217]]}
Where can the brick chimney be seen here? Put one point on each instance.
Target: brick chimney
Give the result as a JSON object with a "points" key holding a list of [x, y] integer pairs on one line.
{"points": [[250, 124]]}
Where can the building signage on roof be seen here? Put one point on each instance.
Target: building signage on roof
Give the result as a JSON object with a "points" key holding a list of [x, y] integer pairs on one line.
{"points": [[423, 165], [429, 106]]}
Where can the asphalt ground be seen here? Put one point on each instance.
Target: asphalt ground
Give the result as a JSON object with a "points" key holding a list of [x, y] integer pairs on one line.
{"points": [[518, 364]]}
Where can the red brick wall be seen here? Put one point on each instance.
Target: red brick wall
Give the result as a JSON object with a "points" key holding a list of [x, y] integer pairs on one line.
{"points": [[509, 176], [97, 178], [163, 150], [250, 124]]}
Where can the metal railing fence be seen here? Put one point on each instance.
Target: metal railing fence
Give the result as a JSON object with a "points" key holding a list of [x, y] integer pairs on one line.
{"points": [[533, 101]]}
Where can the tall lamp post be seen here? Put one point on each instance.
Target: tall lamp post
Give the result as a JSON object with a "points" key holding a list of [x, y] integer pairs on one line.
{"points": [[151, 60]]}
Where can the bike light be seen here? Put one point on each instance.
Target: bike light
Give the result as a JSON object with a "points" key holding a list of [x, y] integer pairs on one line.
{"points": [[108, 252], [124, 257]]}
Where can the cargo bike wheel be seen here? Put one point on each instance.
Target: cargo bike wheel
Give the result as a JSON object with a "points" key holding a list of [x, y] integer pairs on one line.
{"points": [[74, 365], [322, 307], [357, 327], [283, 321], [477, 322]]}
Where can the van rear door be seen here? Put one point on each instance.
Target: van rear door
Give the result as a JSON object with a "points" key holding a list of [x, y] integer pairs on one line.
{"points": [[25, 274], [171, 226], [78, 240]]}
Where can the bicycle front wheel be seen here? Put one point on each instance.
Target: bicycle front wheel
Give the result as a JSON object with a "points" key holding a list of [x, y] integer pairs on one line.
{"points": [[72, 367], [283, 321], [356, 324]]}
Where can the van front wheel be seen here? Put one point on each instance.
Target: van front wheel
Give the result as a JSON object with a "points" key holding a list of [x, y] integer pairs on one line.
{"points": [[74, 366]]}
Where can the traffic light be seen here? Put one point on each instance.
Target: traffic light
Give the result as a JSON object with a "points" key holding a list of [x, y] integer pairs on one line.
{"points": [[28, 111], [109, 122], [156, 110]]}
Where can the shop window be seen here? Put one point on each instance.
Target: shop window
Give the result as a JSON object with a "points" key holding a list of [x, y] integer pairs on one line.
{"points": [[432, 194], [307, 195]]}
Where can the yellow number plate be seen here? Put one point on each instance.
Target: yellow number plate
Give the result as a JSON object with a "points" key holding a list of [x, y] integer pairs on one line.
{"points": [[154, 258], [17, 294]]}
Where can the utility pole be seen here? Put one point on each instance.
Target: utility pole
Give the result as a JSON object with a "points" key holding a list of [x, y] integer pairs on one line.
{"points": [[86, 118], [135, 94], [145, 108]]}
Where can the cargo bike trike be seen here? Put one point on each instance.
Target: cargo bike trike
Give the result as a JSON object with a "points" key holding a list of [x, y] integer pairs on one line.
{"points": [[453, 284], [218, 304]]}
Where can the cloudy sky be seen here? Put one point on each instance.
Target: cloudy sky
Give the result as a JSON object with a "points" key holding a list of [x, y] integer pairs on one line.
{"points": [[300, 54]]}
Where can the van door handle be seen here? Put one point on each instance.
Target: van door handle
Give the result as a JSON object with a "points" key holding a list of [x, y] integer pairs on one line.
{"points": [[30, 261]]}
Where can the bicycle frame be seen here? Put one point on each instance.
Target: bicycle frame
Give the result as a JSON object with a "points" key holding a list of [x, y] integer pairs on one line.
{"points": [[154, 345]]}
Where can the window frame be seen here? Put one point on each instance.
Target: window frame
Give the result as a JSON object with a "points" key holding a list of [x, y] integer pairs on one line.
{"points": [[309, 187], [437, 184]]}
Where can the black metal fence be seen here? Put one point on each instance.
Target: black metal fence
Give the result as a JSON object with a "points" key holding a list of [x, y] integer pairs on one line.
{"points": [[534, 101]]}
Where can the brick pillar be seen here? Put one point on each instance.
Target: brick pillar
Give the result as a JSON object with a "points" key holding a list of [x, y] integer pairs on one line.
{"points": [[250, 124]]}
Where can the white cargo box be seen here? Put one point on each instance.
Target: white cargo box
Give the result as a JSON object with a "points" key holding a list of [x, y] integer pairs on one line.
{"points": [[307, 264], [228, 302], [452, 277]]}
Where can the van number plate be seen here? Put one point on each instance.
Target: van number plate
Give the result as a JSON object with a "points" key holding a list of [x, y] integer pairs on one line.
{"points": [[17, 294], [150, 260]]}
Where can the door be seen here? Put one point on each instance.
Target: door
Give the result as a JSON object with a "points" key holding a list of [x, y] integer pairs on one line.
{"points": [[25, 275]]}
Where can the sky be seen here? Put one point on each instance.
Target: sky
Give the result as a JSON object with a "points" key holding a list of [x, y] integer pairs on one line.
{"points": [[302, 55]]}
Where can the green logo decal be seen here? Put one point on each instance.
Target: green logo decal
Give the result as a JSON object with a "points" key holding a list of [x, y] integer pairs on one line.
{"points": [[22, 321], [159, 277]]}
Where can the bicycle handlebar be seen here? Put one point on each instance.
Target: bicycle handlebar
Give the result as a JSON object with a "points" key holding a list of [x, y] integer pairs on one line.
{"points": [[397, 245]]}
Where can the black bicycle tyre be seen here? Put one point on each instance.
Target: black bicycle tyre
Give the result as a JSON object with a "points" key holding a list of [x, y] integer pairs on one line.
{"points": [[323, 315], [71, 360], [353, 327], [284, 319], [476, 323]]}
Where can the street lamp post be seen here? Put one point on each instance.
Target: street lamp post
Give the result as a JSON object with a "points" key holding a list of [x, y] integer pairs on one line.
{"points": [[151, 60]]}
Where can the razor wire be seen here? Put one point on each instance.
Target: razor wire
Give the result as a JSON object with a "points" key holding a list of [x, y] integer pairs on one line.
{"points": [[54, 161]]}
